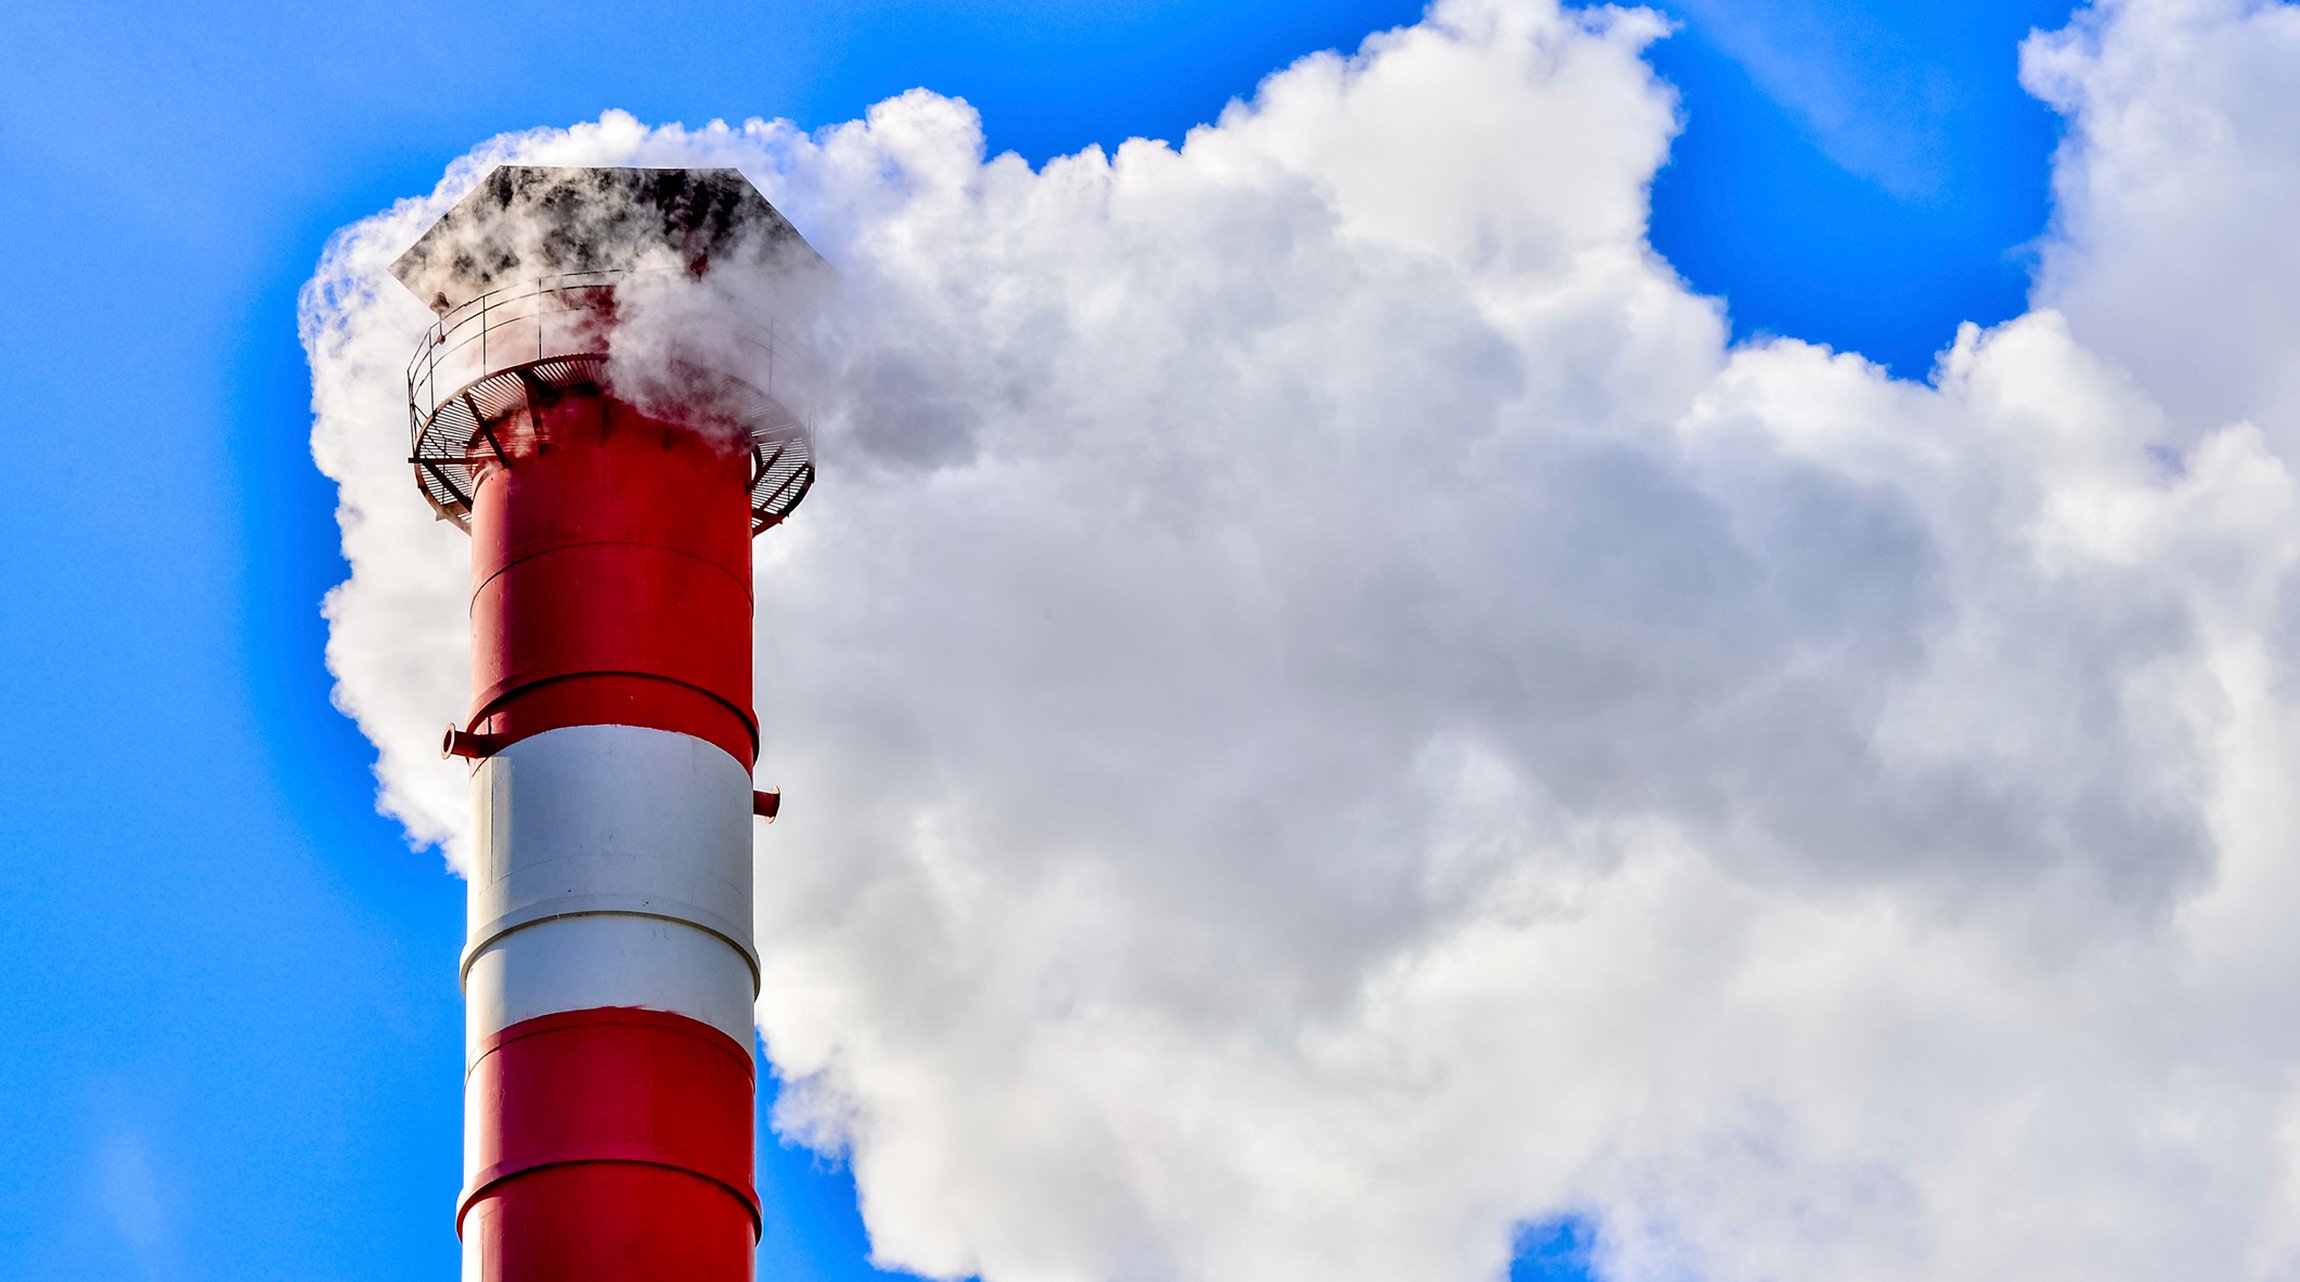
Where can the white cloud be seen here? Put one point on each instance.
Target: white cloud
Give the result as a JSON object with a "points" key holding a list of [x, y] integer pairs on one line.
{"points": [[1325, 714], [2168, 256]]}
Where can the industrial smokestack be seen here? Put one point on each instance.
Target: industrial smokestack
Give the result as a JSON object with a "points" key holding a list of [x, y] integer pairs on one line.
{"points": [[609, 973]]}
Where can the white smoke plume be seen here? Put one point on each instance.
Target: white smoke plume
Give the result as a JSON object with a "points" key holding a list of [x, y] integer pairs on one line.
{"points": [[1327, 715]]}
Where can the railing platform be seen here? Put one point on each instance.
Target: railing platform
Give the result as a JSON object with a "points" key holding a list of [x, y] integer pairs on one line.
{"points": [[504, 351]]}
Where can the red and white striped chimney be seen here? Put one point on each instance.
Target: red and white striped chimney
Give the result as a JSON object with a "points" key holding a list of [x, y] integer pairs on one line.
{"points": [[609, 973]]}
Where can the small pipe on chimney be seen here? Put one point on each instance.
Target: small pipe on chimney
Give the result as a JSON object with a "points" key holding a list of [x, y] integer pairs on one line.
{"points": [[468, 745]]}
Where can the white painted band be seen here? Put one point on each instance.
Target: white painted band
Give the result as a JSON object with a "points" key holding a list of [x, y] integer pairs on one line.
{"points": [[577, 963], [613, 868], [626, 905]]}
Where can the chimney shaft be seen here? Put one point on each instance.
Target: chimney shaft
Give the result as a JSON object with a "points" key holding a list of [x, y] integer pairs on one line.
{"points": [[609, 974]]}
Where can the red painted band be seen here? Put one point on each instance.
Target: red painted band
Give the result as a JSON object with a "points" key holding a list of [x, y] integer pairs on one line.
{"points": [[600, 1154], [670, 622], [551, 1100], [608, 1222], [619, 699], [612, 609], [632, 479], [612, 570]]}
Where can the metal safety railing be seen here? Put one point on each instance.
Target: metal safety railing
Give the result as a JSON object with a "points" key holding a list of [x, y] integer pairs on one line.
{"points": [[567, 315], [559, 330]]}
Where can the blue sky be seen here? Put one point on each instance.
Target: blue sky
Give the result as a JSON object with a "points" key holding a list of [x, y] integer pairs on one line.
{"points": [[229, 1035]]}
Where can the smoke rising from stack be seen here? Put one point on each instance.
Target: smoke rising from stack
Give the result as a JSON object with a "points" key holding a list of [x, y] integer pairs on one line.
{"points": [[1327, 714]]}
